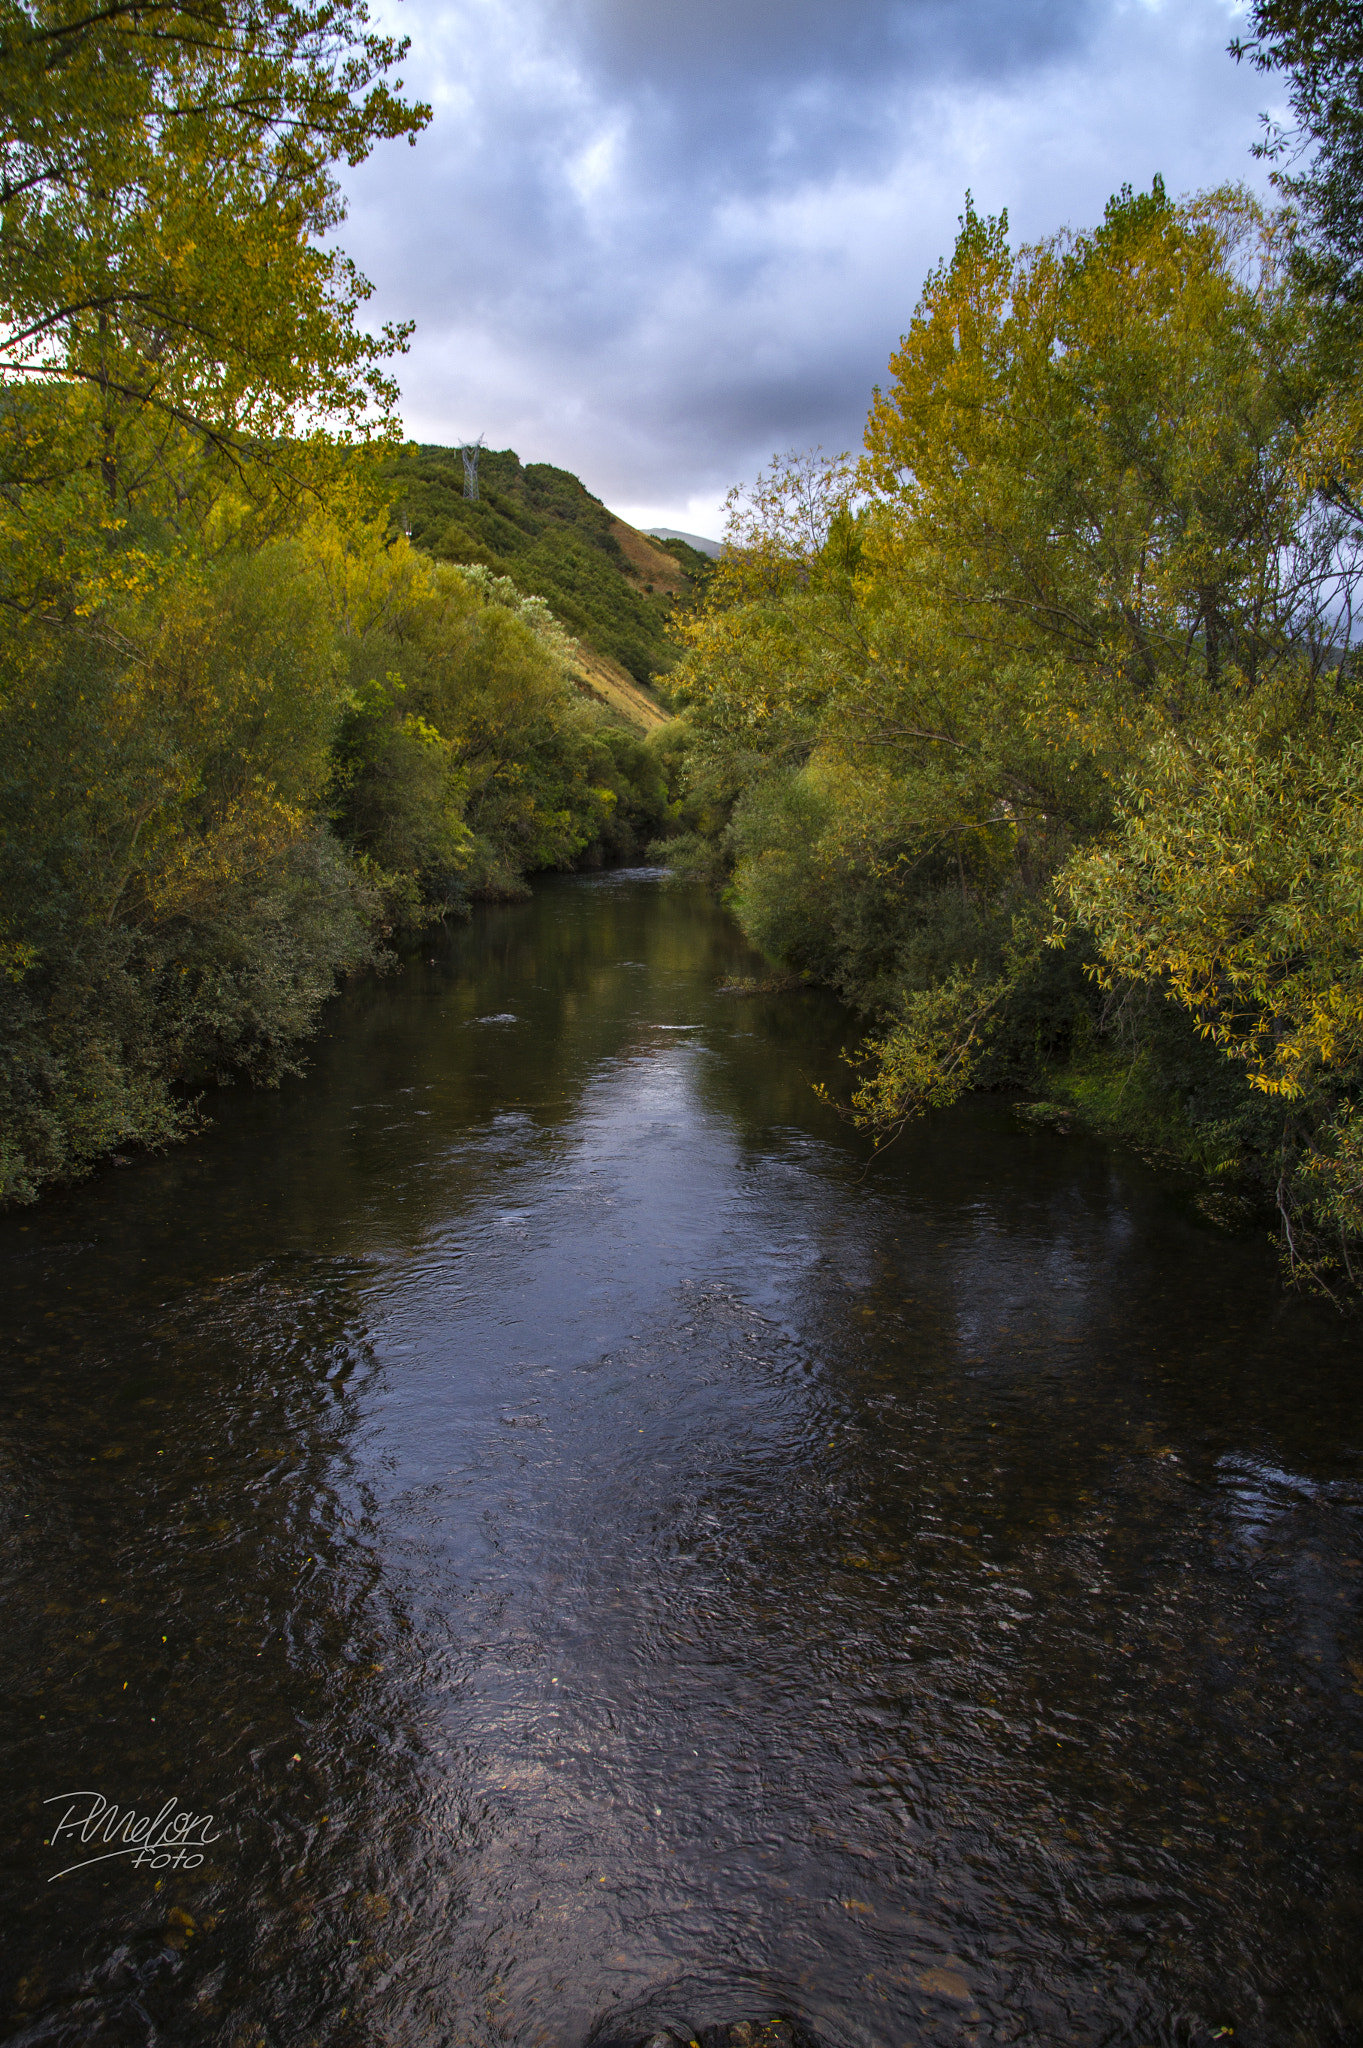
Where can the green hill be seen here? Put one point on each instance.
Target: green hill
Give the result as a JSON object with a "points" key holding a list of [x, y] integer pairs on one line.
{"points": [[612, 587]]}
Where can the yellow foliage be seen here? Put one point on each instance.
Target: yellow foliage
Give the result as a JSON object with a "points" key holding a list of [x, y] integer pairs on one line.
{"points": [[1077, 626]]}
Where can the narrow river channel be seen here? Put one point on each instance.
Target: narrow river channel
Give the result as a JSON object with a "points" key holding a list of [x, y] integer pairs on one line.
{"points": [[608, 1557]]}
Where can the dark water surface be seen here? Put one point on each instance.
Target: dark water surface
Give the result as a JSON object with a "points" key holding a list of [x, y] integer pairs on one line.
{"points": [[605, 1557]]}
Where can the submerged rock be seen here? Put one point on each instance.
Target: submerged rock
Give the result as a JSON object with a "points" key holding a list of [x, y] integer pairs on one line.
{"points": [[772, 2033], [766, 2033]]}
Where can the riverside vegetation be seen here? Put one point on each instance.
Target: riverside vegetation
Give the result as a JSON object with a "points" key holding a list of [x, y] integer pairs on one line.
{"points": [[248, 730], [1035, 732], [1038, 732]]}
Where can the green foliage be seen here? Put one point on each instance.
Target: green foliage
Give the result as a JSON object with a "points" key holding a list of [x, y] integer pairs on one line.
{"points": [[399, 797], [1319, 44], [214, 796], [539, 527], [635, 770], [1037, 725], [931, 1053], [176, 326], [1152, 1081], [174, 909], [467, 758], [179, 341], [699, 567], [245, 732]]}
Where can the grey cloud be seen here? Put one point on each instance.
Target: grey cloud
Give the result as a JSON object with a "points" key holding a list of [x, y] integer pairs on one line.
{"points": [[714, 44], [773, 89], [654, 242]]}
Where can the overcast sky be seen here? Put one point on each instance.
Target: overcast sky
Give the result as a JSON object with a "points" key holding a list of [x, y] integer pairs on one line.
{"points": [[655, 241]]}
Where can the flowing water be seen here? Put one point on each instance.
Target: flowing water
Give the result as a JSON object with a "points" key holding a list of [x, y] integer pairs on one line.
{"points": [[607, 1555]]}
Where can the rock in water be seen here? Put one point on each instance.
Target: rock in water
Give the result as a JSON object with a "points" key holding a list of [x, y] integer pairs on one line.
{"points": [[775, 2033]]}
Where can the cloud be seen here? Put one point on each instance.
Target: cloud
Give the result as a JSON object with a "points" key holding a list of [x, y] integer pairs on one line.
{"points": [[699, 40], [654, 243], [765, 89]]}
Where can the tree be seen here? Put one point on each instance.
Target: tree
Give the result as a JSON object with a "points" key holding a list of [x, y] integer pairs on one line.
{"points": [[1057, 719], [174, 910], [1319, 44], [173, 324]]}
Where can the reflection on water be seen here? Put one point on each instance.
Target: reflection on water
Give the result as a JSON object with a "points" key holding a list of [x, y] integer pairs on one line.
{"points": [[608, 1558]]}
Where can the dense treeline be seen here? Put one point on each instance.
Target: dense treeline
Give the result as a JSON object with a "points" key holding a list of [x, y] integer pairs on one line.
{"points": [[1036, 731], [216, 797], [1039, 731], [246, 732]]}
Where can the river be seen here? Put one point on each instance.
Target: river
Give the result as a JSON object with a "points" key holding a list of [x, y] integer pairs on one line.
{"points": [[606, 1554]]}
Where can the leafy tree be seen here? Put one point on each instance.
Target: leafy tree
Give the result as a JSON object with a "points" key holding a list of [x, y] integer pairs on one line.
{"points": [[171, 320], [176, 911], [1045, 723], [176, 908], [1319, 44], [467, 759]]}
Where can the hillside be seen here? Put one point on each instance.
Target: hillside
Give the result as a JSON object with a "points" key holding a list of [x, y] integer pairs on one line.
{"points": [[613, 588], [713, 548]]}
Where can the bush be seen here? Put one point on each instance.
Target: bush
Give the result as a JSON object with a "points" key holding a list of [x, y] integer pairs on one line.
{"points": [[175, 912]]}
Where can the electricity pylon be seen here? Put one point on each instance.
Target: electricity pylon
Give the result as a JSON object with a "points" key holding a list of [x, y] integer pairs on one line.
{"points": [[469, 451]]}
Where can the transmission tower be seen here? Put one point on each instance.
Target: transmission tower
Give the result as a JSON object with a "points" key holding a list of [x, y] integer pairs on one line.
{"points": [[469, 451]]}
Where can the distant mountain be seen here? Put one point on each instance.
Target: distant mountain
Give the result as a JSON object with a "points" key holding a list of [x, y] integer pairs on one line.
{"points": [[611, 586], [713, 548]]}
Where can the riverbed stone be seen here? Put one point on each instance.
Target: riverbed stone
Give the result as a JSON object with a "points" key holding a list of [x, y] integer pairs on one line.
{"points": [[768, 2033]]}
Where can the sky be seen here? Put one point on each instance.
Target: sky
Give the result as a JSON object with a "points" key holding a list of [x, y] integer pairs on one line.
{"points": [[657, 242]]}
